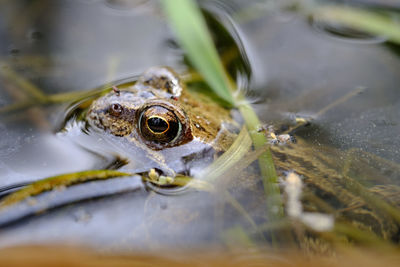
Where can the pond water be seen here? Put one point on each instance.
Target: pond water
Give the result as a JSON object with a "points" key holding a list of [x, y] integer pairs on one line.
{"points": [[290, 66]]}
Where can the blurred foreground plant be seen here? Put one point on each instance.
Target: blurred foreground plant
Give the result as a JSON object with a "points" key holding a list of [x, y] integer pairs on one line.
{"points": [[190, 27]]}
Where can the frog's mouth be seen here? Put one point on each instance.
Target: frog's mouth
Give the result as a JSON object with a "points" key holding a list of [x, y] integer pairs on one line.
{"points": [[185, 168], [185, 160]]}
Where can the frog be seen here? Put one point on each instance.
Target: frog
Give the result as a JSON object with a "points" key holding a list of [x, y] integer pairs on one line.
{"points": [[176, 131], [161, 117]]}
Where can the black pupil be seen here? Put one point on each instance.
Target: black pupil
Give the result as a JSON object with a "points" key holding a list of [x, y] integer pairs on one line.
{"points": [[157, 125]]}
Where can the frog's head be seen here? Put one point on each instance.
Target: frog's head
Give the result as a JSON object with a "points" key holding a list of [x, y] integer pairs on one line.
{"points": [[157, 124], [147, 112]]}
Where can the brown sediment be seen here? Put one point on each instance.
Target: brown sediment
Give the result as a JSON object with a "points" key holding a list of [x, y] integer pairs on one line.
{"points": [[57, 255]]}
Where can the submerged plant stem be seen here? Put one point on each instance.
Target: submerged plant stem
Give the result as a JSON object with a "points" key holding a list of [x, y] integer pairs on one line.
{"points": [[265, 162], [229, 159], [59, 181]]}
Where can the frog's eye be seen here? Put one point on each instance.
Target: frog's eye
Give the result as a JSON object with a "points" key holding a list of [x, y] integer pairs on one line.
{"points": [[115, 109], [159, 124]]}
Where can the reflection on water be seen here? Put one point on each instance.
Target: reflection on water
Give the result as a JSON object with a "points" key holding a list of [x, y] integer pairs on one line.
{"points": [[345, 33], [294, 72]]}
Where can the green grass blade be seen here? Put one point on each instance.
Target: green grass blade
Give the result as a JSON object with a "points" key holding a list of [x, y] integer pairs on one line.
{"points": [[191, 30]]}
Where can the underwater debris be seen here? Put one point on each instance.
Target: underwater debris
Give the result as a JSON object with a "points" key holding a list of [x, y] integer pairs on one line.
{"points": [[315, 220]]}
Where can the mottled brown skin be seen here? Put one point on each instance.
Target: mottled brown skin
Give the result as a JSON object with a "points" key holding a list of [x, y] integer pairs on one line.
{"points": [[207, 119], [325, 185]]}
